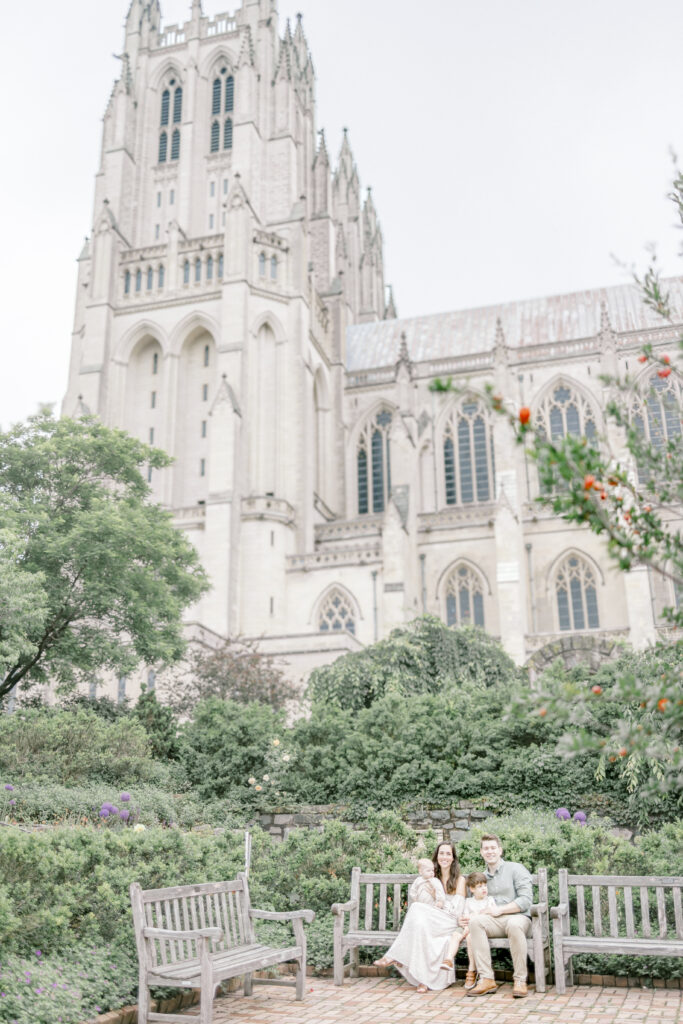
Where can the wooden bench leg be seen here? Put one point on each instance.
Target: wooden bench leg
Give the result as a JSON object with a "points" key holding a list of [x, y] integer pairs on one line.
{"points": [[143, 999], [354, 961], [338, 944], [207, 986], [560, 979], [248, 985]]}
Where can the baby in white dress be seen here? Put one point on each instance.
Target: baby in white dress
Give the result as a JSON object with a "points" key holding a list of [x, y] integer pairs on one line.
{"points": [[426, 888]]}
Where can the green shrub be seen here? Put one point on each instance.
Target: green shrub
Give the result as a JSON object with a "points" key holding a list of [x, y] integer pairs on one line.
{"points": [[75, 746], [425, 656]]}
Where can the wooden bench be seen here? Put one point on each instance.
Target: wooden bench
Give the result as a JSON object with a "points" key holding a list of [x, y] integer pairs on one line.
{"points": [[384, 901], [196, 936], [628, 929]]}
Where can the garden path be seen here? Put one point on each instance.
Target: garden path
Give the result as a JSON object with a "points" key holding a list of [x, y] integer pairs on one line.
{"points": [[393, 1001]]}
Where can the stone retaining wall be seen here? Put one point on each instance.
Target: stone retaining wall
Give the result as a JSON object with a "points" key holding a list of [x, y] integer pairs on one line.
{"points": [[451, 824]]}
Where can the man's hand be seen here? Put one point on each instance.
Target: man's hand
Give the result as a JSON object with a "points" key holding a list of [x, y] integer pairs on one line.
{"points": [[495, 911]]}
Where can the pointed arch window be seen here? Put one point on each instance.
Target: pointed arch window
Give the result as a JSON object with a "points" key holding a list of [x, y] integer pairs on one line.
{"points": [[273, 268], [175, 145], [220, 264], [209, 269], [576, 593], [206, 355], [229, 94], [163, 147], [165, 106], [227, 134], [178, 105], [468, 461], [197, 270], [336, 614], [155, 363], [657, 416], [215, 136], [216, 96], [186, 272], [262, 264], [150, 279], [161, 275], [373, 464], [138, 280], [464, 597], [126, 283], [565, 412]]}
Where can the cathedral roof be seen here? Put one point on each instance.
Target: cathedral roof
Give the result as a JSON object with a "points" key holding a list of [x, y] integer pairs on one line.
{"points": [[557, 318]]}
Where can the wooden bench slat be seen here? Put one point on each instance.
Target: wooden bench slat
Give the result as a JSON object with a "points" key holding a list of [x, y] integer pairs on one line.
{"points": [[375, 878], [645, 910], [581, 909], [622, 880], [255, 956], [612, 909], [678, 914], [369, 893], [397, 905], [593, 944], [382, 906], [597, 910], [661, 913], [628, 912]]}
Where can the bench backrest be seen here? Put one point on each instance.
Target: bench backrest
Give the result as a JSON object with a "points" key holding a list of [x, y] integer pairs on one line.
{"points": [[383, 898], [624, 906], [223, 905]]}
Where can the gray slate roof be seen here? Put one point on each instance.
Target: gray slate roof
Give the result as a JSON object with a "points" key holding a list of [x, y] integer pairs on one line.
{"points": [[557, 318]]}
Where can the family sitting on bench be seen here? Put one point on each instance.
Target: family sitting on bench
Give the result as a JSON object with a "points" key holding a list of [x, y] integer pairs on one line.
{"points": [[441, 916]]}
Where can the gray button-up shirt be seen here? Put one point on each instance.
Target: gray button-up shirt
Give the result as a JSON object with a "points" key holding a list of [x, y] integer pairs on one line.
{"points": [[511, 882]]}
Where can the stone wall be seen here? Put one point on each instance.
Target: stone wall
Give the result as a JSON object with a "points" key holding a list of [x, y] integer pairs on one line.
{"points": [[450, 824]]}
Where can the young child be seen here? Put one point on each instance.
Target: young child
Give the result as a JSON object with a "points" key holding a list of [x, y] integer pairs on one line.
{"points": [[474, 904], [426, 888]]}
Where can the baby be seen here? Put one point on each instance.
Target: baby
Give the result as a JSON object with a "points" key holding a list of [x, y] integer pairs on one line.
{"points": [[426, 888], [478, 902]]}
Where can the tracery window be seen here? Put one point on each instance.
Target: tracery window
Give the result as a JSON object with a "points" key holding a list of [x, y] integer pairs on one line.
{"points": [[223, 85], [657, 415], [468, 462], [373, 464], [577, 599], [178, 105], [464, 597], [175, 145], [163, 147], [565, 412], [336, 614], [165, 106]]}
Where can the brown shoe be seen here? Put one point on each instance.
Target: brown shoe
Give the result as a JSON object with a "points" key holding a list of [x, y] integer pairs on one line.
{"points": [[470, 979], [483, 987], [519, 990]]}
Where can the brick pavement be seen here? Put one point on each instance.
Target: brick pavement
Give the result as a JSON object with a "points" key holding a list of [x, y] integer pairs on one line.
{"points": [[393, 1001]]}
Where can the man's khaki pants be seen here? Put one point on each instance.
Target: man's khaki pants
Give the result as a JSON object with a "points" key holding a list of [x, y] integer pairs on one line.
{"points": [[514, 927]]}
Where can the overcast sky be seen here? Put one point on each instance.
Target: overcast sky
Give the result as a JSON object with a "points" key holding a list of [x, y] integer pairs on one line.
{"points": [[512, 147]]}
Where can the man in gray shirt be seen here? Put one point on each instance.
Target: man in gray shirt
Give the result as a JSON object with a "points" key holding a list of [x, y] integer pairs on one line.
{"points": [[510, 885]]}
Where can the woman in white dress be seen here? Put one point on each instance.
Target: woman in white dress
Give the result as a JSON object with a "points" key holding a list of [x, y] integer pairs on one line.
{"points": [[420, 946]]}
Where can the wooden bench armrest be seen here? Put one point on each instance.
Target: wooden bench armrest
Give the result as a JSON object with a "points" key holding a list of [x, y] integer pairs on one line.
{"points": [[289, 915], [195, 933], [538, 909], [561, 910], [344, 908]]}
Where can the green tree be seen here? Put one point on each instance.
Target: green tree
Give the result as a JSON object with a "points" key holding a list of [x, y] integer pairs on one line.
{"points": [[23, 602], [426, 656], [110, 573]]}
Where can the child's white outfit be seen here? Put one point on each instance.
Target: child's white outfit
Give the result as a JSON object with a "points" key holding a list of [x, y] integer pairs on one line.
{"points": [[473, 906], [431, 891]]}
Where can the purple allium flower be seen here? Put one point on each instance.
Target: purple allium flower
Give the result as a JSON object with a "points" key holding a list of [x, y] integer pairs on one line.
{"points": [[9, 788], [38, 953], [562, 813], [124, 815], [113, 809], [124, 798], [13, 803], [580, 816], [104, 813]]}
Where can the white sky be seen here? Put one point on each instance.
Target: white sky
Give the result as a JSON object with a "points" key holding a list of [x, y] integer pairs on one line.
{"points": [[511, 148]]}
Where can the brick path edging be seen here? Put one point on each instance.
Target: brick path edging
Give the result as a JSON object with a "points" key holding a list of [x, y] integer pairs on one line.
{"points": [[129, 1014]]}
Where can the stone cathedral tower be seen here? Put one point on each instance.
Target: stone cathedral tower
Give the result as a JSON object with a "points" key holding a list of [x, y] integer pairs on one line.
{"points": [[227, 257], [231, 310]]}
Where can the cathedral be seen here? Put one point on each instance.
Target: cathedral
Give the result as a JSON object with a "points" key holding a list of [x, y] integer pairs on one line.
{"points": [[231, 309]]}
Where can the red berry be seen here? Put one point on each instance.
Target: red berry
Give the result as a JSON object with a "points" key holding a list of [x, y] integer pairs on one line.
{"points": [[623, 752], [524, 414], [665, 372], [665, 359], [596, 689], [588, 481], [642, 359], [543, 712], [662, 702]]}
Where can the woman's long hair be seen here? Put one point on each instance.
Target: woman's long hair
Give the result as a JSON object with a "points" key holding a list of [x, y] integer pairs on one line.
{"points": [[454, 873]]}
